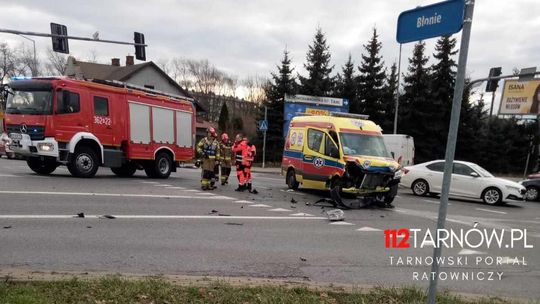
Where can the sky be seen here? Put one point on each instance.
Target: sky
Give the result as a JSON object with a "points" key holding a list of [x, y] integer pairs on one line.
{"points": [[247, 38]]}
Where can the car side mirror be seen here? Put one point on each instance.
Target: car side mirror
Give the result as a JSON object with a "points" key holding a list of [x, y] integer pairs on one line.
{"points": [[334, 152], [474, 174]]}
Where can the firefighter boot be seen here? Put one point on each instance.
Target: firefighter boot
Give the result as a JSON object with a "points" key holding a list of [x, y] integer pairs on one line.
{"points": [[249, 187], [240, 188]]}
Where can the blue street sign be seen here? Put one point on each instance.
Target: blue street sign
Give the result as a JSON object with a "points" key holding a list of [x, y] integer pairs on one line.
{"points": [[263, 125], [439, 19]]}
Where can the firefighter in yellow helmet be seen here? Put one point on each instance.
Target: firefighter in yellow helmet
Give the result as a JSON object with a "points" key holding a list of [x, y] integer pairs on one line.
{"points": [[225, 152], [208, 148]]}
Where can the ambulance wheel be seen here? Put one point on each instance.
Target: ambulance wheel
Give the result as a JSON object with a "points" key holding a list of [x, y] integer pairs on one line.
{"points": [[292, 183], [42, 167], [336, 182], [84, 163], [127, 170], [161, 167]]}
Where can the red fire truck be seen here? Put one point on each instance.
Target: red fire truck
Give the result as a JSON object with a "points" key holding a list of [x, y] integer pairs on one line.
{"points": [[87, 124]]}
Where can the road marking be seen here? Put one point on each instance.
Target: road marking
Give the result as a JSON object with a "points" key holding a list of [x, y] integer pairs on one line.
{"points": [[368, 229], [435, 202], [177, 188], [192, 190], [243, 202], [493, 211], [301, 214], [456, 221], [260, 206], [145, 182], [206, 193], [160, 185], [400, 210], [280, 210], [164, 217], [470, 252], [341, 223], [114, 194], [8, 175]]}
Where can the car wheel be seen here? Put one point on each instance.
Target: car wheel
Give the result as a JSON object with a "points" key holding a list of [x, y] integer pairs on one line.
{"points": [[420, 187], [532, 193], [492, 196], [291, 181], [42, 167], [84, 163]]}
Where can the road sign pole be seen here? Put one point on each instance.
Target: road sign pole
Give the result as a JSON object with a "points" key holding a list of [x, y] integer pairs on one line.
{"points": [[397, 90], [264, 137], [451, 144]]}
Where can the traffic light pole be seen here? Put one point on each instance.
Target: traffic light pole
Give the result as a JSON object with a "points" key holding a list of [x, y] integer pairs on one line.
{"points": [[68, 37]]}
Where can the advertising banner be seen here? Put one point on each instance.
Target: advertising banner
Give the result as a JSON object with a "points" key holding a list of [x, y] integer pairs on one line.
{"points": [[315, 105], [520, 97]]}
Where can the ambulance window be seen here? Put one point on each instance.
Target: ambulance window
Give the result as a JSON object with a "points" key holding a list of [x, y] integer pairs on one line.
{"points": [[67, 102], [101, 106], [315, 138], [328, 145]]}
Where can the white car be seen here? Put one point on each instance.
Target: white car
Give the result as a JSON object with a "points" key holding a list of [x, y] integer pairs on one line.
{"points": [[468, 180]]}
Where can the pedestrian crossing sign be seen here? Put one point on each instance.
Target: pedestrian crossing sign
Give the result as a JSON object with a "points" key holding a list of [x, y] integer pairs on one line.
{"points": [[263, 125]]}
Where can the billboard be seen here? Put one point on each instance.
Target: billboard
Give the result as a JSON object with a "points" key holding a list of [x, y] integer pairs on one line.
{"points": [[315, 105], [520, 97]]}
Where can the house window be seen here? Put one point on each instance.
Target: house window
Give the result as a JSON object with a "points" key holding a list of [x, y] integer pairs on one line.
{"points": [[149, 86]]}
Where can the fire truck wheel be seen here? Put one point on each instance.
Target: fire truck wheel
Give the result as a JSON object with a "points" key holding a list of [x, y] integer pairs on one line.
{"points": [[127, 170], [84, 163], [43, 167], [161, 167]]}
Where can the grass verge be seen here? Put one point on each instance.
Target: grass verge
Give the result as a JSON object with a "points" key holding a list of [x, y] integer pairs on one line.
{"points": [[115, 289]]}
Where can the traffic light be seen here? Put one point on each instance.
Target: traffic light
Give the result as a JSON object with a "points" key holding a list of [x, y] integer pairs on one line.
{"points": [[140, 51], [493, 83], [59, 44]]}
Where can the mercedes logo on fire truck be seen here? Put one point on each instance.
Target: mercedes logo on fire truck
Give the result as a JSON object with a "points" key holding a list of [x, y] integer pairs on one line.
{"points": [[24, 128]]}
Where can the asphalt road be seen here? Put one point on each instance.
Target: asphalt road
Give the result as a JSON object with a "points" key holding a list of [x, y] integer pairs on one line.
{"points": [[170, 227]]}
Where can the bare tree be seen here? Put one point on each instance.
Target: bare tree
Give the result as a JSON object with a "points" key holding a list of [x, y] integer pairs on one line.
{"points": [[254, 86], [92, 56], [164, 64], [8, 62], [56, 64], [180, 73], [27, 63]]}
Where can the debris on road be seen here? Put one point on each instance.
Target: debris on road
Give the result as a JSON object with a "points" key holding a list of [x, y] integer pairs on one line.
{"points": [[223, 214], [303, 259], [108, 216], [7, 227], [308, 204], [213, 211], [80, 214], [293, 201], [235, 224], [335, 215], [255, 191], [290, 190], [294, 207], [88, 227]]}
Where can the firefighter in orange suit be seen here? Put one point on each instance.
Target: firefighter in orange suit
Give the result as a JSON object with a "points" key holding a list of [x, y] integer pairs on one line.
{"points": [[208, 147], [238, 149], [248, 158], [225, 153]]}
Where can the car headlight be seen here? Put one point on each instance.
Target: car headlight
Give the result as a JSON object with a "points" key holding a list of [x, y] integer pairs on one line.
{"points": [[46, 147], [398, 174]]}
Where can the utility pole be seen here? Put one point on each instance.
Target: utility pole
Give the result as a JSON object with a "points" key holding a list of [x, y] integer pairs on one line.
{"points": [[397, 90], [264, 136]]}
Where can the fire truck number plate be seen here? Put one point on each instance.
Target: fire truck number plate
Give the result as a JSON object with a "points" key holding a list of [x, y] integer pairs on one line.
{"points": [[101, 120]]}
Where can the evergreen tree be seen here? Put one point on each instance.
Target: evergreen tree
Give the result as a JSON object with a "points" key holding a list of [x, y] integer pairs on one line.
{"points": [[283, 82], [346, 86], [223, 122], [389, 99], [442, 91], [371, 81], [318, 82], [471, 133], [415, 117]]}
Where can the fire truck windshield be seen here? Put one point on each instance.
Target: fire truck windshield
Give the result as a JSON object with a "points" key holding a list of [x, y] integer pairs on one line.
{"points": [[362, 144], [29, 102]]}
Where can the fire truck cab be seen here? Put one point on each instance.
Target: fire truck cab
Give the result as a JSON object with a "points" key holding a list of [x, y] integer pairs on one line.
{"points": [[86, 124]]}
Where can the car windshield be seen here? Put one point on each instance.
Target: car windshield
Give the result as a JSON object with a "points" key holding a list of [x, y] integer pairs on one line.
{"points": [[482, 171], [362, 144], [29, 102]]}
